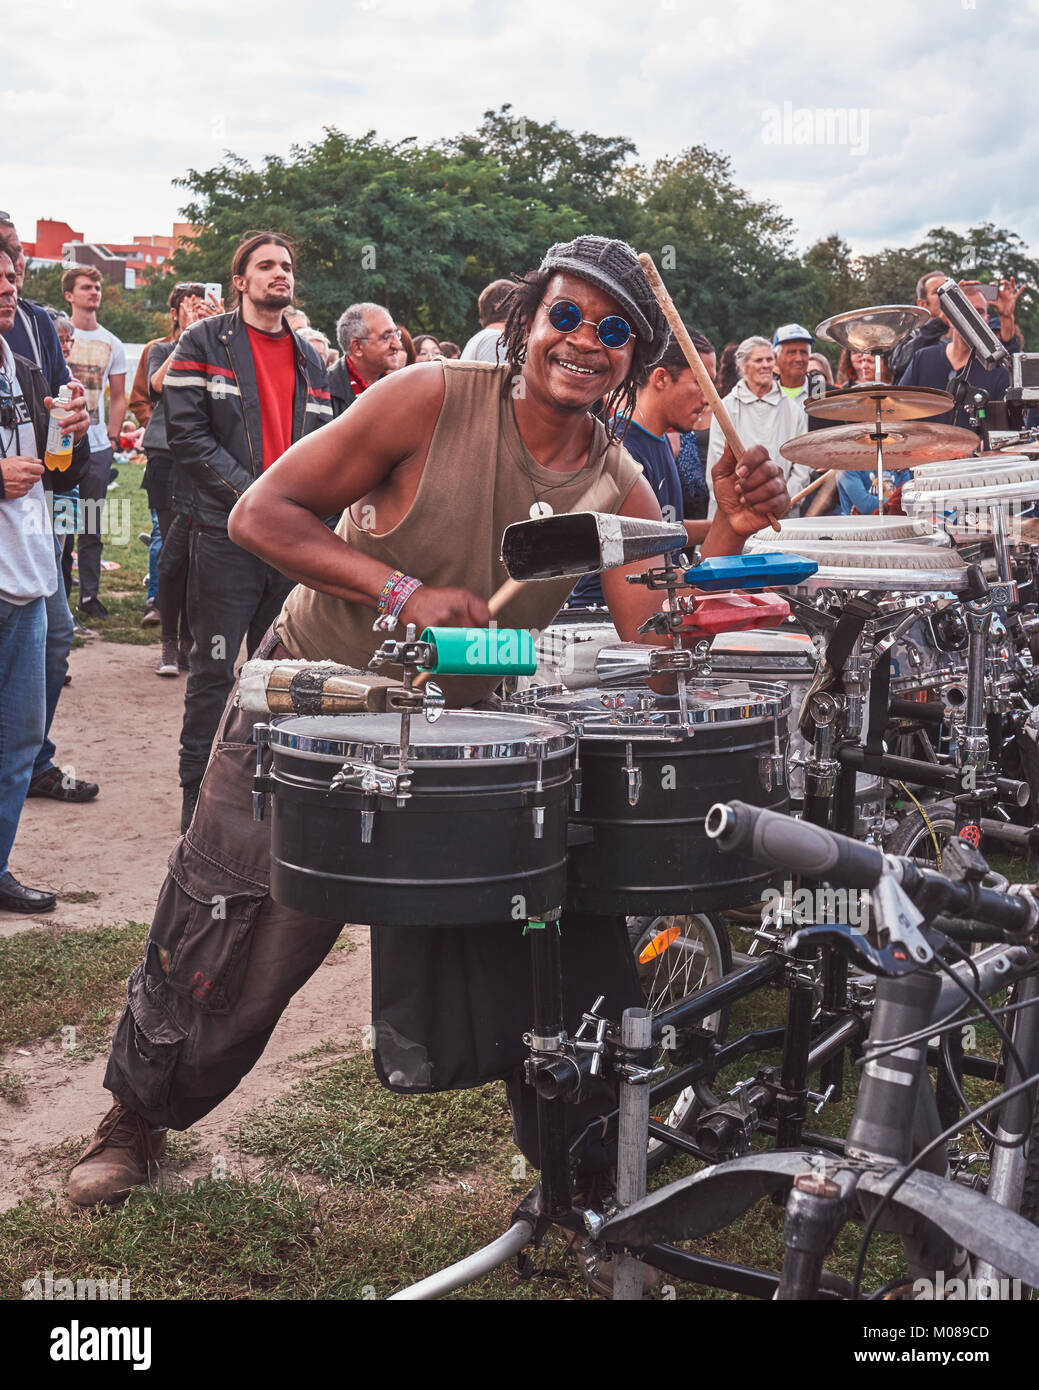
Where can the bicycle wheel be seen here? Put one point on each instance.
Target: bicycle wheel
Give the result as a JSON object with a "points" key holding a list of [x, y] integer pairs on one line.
{"points": [[676, 957], [915, 835]]}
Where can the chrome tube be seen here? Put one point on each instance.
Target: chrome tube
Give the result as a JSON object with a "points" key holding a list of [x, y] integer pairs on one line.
{"points": [[472, 1267]]}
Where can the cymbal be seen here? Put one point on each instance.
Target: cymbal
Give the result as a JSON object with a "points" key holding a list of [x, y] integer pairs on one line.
{"points": [[859, 403], [872, 330], [906, 445]]}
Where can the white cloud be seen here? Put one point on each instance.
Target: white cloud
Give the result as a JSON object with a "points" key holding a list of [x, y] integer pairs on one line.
{"points": [[141, 94]]}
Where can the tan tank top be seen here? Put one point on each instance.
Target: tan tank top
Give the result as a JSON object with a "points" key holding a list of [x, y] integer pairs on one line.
{"points": [[478, 478]]}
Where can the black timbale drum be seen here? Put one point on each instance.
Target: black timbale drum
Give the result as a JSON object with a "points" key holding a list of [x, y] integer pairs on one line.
{"points": [[480, 837], [644, 780]]}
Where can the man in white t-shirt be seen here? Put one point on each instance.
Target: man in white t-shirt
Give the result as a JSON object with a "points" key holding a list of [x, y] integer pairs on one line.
{"points": [[492, 309], [97, 360]]}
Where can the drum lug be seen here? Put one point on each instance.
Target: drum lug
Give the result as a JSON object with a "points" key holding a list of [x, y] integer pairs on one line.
{"points": [[367, 825], [261, 783], [539, 822], [634, 777], [372, 780]]}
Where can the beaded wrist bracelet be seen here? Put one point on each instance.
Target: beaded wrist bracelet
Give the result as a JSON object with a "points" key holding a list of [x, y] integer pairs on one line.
{"points": [[395, 593]]}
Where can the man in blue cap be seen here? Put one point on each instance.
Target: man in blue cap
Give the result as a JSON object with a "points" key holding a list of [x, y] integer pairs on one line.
{"points": [[792, 344]]}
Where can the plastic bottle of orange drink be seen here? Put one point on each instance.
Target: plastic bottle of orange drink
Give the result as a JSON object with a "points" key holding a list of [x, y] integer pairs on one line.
{"points": [[58, 454]]}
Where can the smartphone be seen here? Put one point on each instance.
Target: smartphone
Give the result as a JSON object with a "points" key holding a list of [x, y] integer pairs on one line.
{"points": [[990, 292], [214, 290]]}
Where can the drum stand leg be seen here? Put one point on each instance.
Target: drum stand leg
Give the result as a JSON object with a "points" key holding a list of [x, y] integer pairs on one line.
{"points": [[793, 1097], [546, 1044], [632, 1138]]}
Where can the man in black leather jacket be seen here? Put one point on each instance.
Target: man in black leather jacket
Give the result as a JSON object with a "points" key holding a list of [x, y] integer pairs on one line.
{"points": [[240, 389]]}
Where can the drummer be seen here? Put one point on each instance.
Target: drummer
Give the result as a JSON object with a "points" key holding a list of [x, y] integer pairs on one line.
{"points": [[430, 465]]}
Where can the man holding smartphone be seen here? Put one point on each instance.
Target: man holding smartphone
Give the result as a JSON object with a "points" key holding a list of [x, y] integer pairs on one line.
{"points": [[1000, 301], [240, 388], [97, 360]]}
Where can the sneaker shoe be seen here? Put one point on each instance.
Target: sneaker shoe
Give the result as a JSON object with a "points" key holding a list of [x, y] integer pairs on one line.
{"points": [[121, 1156], [54, 784], [145, 537], [187, 805], [167, 665], [151, 615], [93, 608], [183, 653], [78, 630]]}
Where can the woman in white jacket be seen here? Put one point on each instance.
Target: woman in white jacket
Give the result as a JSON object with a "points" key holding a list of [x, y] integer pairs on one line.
{"points": [[762, 413]]}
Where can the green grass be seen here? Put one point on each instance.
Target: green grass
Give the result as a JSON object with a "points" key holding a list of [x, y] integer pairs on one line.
{"points": [[272, 1238], [364, 1191], [341, 1125], [52, 979], [12, 1088]]}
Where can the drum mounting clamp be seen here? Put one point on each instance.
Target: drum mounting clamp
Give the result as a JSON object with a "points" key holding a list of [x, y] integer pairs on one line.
{"points": [[596, 1045], [261, 737], [633, 773]]}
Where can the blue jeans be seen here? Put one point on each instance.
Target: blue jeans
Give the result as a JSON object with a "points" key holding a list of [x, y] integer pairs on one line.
{"points": [[56, 663], [153, 560], [23, 639], [93, 489]]}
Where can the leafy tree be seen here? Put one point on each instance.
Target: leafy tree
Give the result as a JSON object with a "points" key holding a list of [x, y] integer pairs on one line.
{"points": [[418, 228], [726, 258], [130, 314], [422, 228]]}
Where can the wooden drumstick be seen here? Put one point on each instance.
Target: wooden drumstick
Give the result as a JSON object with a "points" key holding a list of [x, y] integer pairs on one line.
{"points": [[701, 373], [818, 482], [495, 603]]}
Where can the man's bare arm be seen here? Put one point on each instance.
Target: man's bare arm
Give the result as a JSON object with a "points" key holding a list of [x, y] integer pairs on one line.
{"points": [[386, 432], [279, 516]]}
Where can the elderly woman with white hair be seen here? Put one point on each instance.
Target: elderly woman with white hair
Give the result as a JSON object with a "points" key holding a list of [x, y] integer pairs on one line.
{"points": [[761, 412]]}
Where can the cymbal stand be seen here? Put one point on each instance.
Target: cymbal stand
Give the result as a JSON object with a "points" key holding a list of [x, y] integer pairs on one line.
{"points": [[671, 621]]}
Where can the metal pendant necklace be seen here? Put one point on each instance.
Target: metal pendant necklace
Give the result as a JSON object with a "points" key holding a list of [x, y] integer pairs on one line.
{"points": [[540, 508]]}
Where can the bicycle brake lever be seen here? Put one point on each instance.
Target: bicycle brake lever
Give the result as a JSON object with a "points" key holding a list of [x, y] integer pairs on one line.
{"points": [[892, 960]]}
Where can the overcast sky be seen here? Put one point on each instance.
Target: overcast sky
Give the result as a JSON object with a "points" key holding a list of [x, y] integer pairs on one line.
{"points": [[106, 104]]}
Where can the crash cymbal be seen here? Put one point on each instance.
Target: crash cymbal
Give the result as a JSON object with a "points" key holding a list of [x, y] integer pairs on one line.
{"points": [[906, 445], [859, 403], [872, 330]]}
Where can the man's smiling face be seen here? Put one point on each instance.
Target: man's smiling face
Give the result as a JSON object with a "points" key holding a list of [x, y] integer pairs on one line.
{"points": [[573, 369]]}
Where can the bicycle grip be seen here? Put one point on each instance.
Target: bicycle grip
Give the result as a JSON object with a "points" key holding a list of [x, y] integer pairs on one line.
{"points": [[796, 845]]}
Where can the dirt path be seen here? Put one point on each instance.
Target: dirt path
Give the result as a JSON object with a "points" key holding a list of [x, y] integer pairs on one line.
{"points": [[119, 723]]}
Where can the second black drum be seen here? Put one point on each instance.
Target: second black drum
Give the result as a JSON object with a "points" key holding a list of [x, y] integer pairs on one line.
{"points": [[644, 779]]}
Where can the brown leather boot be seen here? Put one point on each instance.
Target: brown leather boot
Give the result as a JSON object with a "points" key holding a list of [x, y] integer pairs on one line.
{"points": [[121, 1156]]}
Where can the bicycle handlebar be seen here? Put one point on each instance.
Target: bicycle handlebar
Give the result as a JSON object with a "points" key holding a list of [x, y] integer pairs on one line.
{"points": [[803, 848], [797, 845]]}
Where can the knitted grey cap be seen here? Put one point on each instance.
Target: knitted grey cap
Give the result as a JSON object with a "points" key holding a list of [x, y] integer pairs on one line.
{"points": [[614, 267]]}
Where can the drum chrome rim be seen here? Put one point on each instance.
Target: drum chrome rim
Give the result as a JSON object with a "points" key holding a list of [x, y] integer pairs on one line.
{"points": [[543, 738], [781, 654], [745, 702]]}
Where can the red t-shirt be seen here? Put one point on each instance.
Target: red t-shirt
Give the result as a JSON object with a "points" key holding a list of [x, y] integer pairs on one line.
{"points": [[274, 359]]}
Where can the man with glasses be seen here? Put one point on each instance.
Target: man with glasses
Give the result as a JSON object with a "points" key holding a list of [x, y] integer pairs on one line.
{"points": [[447, 455], [240, 388], [28, 576], [369, 340], [34, 335]]}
